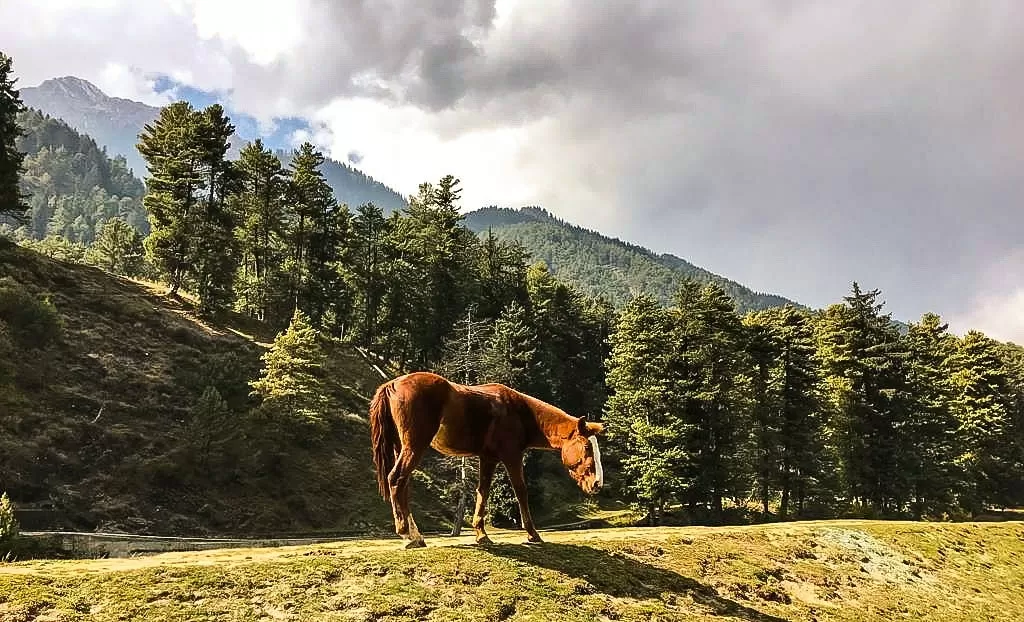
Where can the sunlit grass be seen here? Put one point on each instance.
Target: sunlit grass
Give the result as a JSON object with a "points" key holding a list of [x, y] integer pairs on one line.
{"points": [[830, 570]]}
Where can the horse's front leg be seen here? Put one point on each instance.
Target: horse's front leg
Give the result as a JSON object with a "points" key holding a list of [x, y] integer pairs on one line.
{"points": [[518, 481], [483, 490]]}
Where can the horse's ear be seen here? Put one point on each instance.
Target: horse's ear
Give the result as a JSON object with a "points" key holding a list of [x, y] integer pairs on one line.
{"points": [[581, 425]]}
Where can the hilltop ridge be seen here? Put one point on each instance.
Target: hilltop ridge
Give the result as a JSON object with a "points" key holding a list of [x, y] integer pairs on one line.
{"points": [[602, 265]]}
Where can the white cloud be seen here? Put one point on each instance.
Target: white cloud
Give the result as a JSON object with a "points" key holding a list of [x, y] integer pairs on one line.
{"points": [[998, 315], [131, 83], [264, 29], [997, 305], [401, 147]]}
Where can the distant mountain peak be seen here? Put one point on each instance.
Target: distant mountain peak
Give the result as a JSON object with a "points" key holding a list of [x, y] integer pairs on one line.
{"points": [[74, 87], [115, 123]]}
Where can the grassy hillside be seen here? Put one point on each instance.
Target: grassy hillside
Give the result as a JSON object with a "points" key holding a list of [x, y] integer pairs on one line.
{"points": [[99, 429], [601, 265], [832, 570], [102, 425]]}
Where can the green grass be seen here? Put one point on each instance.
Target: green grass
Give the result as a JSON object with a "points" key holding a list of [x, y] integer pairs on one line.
{"points": [[829, 570]]}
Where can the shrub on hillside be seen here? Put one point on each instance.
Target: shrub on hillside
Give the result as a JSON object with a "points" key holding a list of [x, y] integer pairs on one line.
{"points": [[292, 383], [31, 322], [6, 354], [8, 525]]}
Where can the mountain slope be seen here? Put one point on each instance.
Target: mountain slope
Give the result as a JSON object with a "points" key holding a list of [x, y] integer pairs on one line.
{"points": [[353, 187], [73, 186], [115, 123], [601, 265]]}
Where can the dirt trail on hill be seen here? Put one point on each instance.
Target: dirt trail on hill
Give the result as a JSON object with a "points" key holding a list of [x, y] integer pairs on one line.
{"points": [[234, 556]]}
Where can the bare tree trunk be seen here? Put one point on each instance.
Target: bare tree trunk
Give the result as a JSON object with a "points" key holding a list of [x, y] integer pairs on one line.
{"points": [[460, 507]]}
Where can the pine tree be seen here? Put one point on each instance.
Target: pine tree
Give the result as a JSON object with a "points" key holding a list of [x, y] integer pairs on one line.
{"points": [[502, 275], [444, 254], [983, 404], [190, 181], [318, 239], [864, 362], [214, 257], [643, 413], [463, 352], [571, 333], [712, 378], [369, 268], [260, 212], [509, 354], [118, 248], [174, 157], [210, 425], [292, 382], [1012, 445], [932, 446], [792, 459], [12, 201]]}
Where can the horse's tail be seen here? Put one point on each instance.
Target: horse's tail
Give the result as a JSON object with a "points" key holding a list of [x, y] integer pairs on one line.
{"points": [[384, 437]]}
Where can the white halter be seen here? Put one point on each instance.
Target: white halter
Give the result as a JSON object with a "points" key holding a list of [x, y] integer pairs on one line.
{"points": [[599, 477]]}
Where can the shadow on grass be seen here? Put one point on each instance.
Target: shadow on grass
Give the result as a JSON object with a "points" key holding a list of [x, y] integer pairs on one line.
{"points": [[621, 576]]}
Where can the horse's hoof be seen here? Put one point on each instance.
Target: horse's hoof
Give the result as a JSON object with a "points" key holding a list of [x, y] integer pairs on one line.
{"points": [[484, 540], [534, 540], [414, 544]]}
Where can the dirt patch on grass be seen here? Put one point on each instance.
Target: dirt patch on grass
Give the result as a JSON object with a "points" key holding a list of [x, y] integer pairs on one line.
{"points": [[877, 559]]}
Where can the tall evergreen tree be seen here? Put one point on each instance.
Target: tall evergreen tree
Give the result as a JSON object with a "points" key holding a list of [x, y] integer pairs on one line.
{"points": [[214, 253], [864, 362], [369, 268], [443, 253], [643, 414], [319, 238], [983, 404], [509, 354], [712, 382], [174, 158], [263, 223], [12, 201], [791, 458], [502, 275], [932, 446]]}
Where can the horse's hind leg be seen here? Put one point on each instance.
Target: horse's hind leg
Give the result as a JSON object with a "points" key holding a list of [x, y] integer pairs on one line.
{"points": [[483, 490], [399, 479]]}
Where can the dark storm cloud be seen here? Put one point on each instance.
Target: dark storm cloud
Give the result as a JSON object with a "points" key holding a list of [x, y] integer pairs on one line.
{"points": [[796, 146]]}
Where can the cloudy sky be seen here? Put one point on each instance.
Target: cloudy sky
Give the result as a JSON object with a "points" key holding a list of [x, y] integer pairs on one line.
{"points": [[791, 145]]}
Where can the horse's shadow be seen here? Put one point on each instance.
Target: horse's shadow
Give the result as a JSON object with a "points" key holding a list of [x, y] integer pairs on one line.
{"points": [[622, 576]]}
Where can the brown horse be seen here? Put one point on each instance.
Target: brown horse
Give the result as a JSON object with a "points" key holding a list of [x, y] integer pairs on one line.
{"points": [[491, 421]]}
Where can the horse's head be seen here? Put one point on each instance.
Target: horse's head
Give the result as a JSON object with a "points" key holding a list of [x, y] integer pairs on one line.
{"points": [[581, 455]]}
